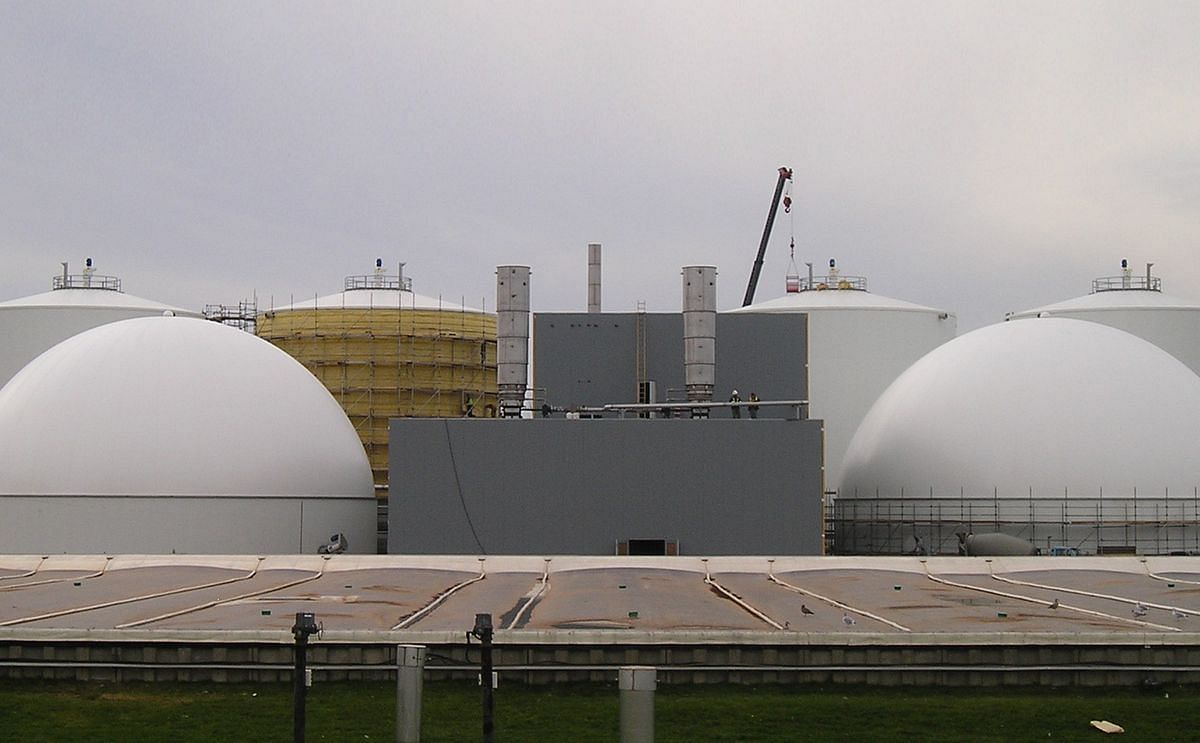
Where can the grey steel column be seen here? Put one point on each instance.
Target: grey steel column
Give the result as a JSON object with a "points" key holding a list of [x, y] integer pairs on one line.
{"points": [[410, 675], [593, 277], [637, 684], [512, 338], [699, 333]]}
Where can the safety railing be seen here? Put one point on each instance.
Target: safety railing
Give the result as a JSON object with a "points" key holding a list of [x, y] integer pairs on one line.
{"points": [[1123, 283], [379, 281], [87, 281], [822, 283]]}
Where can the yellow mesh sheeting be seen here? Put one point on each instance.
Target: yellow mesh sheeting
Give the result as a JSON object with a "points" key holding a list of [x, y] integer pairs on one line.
{"points": [[384, 363]]}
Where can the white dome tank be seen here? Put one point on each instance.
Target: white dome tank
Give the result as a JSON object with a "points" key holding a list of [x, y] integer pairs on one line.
{"points": [[1136, 305], [858, 343], [1061, 432], [77, 302], [171, 434]]}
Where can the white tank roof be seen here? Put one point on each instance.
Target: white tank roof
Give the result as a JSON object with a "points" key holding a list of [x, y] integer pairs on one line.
{"points": [[175, 406], [92, 299], [1051, 404], [1130, 299], [377, 299], [846, 299]]}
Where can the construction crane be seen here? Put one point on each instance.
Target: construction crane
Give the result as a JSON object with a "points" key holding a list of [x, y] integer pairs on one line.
{"points": [[785, 175]]}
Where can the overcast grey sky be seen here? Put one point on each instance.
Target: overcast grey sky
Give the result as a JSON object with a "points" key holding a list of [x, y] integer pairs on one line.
{"points": [[978, 157]]}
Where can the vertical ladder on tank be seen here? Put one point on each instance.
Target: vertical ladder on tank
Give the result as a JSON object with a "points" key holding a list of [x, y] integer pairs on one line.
{"points": [[828, 522]]}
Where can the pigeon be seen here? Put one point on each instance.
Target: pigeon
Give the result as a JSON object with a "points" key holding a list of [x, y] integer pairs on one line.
{"points": [[787, 625], [848, 620], [1140, 610], [805, 610], [1178, 614], [1054, 604]]}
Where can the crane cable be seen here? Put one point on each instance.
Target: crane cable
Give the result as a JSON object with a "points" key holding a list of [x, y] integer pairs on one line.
{"points": [[793, 275]]}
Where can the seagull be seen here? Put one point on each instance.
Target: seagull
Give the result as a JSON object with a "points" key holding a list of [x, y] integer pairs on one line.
{"points": [[1178, 614], [1054, 604], [805, 610], [1140, 610], [848, 620]]}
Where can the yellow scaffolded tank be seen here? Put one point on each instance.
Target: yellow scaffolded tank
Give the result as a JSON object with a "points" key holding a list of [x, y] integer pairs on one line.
{"points": [[385, 352]]}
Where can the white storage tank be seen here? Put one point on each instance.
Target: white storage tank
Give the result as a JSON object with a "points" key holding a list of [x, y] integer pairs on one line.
{"points": [[76, 302], [1064, 433], [1136, 304], [858, 343], [171, 434]]}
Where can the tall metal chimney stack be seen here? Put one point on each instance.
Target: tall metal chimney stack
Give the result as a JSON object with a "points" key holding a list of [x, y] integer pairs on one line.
{"points": [[593, 277], [699, 332], [512, 338]]}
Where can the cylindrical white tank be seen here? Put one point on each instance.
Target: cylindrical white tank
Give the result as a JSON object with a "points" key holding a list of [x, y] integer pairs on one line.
{"points": [[77, 302], [1065, 433], [858, 343], [171, 434], [512, 338], [1135, 303], [699, 332]]}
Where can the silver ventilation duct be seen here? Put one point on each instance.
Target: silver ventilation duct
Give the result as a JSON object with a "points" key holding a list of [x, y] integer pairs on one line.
{"points": [[699, 331], [512, 338], [593, 277]]}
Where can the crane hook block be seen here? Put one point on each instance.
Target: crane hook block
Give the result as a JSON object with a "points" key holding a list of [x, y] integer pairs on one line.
{"points": [[787, 204]]}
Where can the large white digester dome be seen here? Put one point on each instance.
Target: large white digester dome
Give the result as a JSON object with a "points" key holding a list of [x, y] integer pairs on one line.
{"points": [[76, 302], [858, 343], [1057, 431], [1135, 304], [171, 434]]}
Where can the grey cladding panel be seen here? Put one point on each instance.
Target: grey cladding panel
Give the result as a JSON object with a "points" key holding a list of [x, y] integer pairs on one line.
{"points": [[576, 487], [582, 359]]}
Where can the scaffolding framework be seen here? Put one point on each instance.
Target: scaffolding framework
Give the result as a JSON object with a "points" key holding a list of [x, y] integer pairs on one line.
{"points": [[1146, 523], [243, 315], [381, 363]]}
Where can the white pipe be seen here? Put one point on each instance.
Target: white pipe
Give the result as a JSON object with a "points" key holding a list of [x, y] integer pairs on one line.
{"points": [[1095, 595], [27, 573], [1042, 602], [218, 602], [838, 604], [542, 586], [437, 600], [132, 599], [48, 581], [737, 599]]}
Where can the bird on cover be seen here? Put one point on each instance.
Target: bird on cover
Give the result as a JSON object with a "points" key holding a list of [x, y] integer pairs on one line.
{"points": [[1178, 614], [805, 610], [848, 620], [1054, 604], [1140, 610]]}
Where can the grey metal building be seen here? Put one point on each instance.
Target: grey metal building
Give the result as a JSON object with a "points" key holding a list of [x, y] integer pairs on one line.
{"points": [[597, 358], [602, 487]]}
